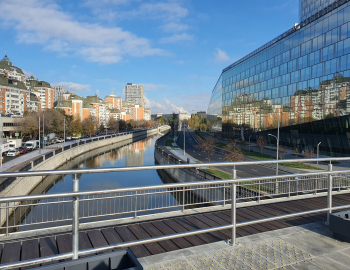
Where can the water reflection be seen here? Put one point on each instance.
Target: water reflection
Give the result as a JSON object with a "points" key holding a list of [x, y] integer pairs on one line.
{"points": [[134, 154]]}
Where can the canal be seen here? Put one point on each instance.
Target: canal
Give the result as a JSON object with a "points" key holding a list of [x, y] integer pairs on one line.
{"points": [[97, 208]]}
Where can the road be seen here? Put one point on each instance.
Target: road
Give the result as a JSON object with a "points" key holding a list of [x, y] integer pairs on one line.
{"points": [[242, 171]]}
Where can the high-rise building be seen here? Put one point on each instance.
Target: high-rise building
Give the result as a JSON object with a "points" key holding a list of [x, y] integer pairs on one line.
{"points": [[117, 102], [299, 80], [58, 93], [134, 94]]}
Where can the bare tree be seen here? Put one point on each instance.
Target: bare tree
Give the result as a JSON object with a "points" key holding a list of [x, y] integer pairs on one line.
{"points": [[309, 154], [206, 145], [233, 152], [260, 143]]}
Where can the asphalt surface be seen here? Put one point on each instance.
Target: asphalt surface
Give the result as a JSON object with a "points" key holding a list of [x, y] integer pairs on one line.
{"points": [[218, 156]]}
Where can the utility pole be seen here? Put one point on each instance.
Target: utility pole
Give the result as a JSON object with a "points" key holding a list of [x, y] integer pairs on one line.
{"points": [[64, 130], [43, 131]]}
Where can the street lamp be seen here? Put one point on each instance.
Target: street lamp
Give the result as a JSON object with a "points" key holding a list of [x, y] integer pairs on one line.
{"points": [[277, 152], [249, 142], [318, 147]]}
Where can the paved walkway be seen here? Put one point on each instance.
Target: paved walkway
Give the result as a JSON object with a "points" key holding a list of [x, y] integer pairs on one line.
{"points": [[308, 246]]}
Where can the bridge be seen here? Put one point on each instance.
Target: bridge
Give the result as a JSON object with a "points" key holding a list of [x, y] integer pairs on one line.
{"points": [[212, 215]]}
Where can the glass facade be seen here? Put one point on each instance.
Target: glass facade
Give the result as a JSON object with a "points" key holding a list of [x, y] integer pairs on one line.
{"points": [[300, 77]]}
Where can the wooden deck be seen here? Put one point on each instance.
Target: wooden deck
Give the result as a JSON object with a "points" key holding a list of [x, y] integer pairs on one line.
{"points": [[29, 249]]}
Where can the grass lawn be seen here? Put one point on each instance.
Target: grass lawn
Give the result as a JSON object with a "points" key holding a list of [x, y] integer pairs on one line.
{"points": [[219, 173], [300, 165], [257, 155]]}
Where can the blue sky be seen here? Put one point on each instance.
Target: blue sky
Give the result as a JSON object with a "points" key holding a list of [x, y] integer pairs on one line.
{"points": [[176, 49]]}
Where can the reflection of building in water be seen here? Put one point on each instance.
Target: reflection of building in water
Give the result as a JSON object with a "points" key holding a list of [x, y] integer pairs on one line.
{"points": [[134, 153]]}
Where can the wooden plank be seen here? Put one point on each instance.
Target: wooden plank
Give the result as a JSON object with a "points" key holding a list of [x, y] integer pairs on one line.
{"points": [[166, 230], [64, 243], [97, 239], [217, 218], [167, 245], [11, 253], [205, 237], [273, 225], [154, 248], [194, 240], [249, 229], [218, 236], [84, 242], [212, 223], [280, 211], [127, 236], [30, 250], [294, 209], [112, 237], [48, 246]]}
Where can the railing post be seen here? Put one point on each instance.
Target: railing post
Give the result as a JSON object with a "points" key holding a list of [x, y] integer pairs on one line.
{"points": [[259, 192], [224, 195], [136, 204], [75, 225], [329, 195], [183, 199], [233, 207], [7, 217]]}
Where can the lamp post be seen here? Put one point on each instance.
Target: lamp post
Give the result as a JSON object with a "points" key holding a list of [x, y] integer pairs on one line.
{"points": [[185, 138], [277, 152], [43, 131], [64, 130], [249, 142], [318, 147], [39, 137]]}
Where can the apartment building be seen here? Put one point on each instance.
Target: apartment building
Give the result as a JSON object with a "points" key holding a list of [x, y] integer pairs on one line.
{"points": [[117, 102], [134, 94]]}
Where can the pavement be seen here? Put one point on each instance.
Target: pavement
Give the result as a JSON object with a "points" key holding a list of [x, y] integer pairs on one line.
{"points": [[21, 160], [308, 246]]}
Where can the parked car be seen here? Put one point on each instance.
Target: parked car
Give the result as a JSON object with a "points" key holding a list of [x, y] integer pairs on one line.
{"points": [[23, 150], [12, 153], [68, 138], [60, 140], [87, 136]]}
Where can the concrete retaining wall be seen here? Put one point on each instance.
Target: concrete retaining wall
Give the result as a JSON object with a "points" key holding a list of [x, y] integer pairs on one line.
{"points": [[24, 185]]}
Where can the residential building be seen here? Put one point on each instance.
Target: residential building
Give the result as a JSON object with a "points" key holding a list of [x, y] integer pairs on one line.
{"points": [[117, 102], [58, 93], [134, 94], [136, 113], [299, 81], [72, 106], [10, 71], [43, 91]]}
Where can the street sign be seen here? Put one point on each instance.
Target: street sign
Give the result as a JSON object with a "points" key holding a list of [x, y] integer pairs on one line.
{"points": [[16, 134], [297, 178]]}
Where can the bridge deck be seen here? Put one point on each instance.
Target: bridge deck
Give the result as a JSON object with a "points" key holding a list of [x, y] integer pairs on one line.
{"points": [[42, 247]]}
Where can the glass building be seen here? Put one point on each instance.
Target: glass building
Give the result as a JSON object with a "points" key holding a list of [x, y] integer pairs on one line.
{"points": [[300, 77]]}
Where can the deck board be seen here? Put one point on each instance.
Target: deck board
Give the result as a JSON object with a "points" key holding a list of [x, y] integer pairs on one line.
{"points": [[47, 246], [140, 233], [127, 236], [167, 245]]}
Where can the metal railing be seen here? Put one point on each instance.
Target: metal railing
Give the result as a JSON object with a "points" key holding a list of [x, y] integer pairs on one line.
{"points": [[75, 207]]}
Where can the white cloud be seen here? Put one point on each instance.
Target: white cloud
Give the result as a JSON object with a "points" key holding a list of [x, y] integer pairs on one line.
{"points": [[42, 22], [180, 62], [165, 107], [71, 86], [174, 27], [176, 38], [221, 56], [28, 73]]}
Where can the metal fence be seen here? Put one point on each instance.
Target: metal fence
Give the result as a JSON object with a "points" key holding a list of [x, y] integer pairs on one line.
{"points": [[51, 210]]}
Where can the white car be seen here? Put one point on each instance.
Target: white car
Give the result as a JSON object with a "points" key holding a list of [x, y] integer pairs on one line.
{"points": [[60, 140], [12, 153]]}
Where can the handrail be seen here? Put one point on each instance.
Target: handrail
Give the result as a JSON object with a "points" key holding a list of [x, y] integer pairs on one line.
{"points": [[161, 167], [163, 186]]}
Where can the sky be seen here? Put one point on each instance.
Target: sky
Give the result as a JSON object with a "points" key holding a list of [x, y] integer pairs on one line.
{"points": [[176, 49]]}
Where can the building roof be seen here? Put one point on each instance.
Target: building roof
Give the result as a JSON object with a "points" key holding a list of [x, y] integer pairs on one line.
{"points": [[114, 110], [6, 64], [4, 81], [64, 104], [36, 83]]}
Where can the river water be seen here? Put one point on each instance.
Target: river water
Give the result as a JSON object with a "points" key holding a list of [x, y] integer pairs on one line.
{"points": [[138, 153]]}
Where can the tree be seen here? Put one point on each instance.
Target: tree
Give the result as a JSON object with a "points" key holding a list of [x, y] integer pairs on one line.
{"points": [[206, 145], [296, 152], [113, 124], [260, 143], [89, 125], [76, 127], [233, 152], [309, 154], [101, 128], [281, 152], [122, 125]]}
